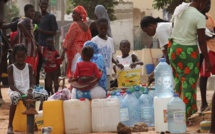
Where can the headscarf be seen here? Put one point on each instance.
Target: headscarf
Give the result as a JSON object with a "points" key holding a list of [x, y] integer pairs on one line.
{"points": [[101, 12], [81, 10], [93, 45]]}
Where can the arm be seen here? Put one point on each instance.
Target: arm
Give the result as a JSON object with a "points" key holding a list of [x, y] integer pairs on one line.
{"points": [[117, 64], [24, 30], [76, 73], [98, 73], [51, 33], [136, 61]]}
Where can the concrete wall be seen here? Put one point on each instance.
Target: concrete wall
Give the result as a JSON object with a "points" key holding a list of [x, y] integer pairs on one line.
{"points": [[212, 11]]}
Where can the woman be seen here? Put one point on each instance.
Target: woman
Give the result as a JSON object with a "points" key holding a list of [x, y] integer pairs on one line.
{"points": [[78, 34], [100, 90], [100, 12]]}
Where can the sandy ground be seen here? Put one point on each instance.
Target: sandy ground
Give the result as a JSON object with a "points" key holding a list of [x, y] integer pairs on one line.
{"points": [[4, 110]]}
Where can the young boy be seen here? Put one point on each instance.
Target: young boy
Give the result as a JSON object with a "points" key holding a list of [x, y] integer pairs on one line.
{"points": [[105, 46]]}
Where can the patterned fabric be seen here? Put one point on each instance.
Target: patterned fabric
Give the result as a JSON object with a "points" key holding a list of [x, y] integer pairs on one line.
{"points": [[185, 63], [61, 95], [74, 41], [82, 12]]}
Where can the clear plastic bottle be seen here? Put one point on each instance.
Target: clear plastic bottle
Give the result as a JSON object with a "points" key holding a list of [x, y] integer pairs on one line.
{"points": [[163, 79], [137, 93], [146, 108], [176, 115]]}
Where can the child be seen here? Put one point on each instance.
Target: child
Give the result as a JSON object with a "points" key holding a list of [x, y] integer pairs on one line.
{"points": [[52, 63], [106, 46], [20, 77], [126, 58]]}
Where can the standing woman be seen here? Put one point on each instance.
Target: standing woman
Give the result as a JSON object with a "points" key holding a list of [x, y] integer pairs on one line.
{"points": [[77, 35], [100, 12]]}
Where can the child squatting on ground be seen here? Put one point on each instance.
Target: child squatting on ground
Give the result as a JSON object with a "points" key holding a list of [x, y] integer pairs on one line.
{"points": [[21, 82]]}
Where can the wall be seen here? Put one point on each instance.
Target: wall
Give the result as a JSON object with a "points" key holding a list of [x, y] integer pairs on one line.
{"points": [[212, 11]]}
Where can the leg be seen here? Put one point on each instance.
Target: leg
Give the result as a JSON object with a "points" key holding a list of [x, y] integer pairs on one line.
{"points": [[48, 83], [40, 63], [203, 89], [56, 80], [212, 130]]}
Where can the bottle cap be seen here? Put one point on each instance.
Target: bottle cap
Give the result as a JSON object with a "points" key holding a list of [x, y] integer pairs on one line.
{"points": [[162, 60], [118, 94], [82, 99], [176, 95]]}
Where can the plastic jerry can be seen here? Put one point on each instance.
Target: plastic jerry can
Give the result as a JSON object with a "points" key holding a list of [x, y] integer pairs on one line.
{"points": [[39, 120], [105, 115], [20, 120], [53, 116], [77, 116], [128, 76]]}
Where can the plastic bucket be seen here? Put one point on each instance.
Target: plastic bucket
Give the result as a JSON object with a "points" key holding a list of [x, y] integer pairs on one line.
{"points": [[149, 68]]}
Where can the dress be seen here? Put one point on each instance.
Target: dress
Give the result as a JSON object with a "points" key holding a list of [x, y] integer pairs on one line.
{"points": [[74, 41]]}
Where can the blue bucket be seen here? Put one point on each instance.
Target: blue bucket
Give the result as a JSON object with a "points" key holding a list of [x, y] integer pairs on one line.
{"points": [[149, 68]]}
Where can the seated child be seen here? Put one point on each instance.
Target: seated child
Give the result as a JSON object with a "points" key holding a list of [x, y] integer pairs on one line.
{"points": [[20, 78], [52, 61], [126, 58]]}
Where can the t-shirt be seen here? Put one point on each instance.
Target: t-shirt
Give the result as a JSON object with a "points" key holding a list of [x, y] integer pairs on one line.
{"points": [[124, 61], [87, 69], [106, 49], [186, 26], [163, 33], [48, 23]]}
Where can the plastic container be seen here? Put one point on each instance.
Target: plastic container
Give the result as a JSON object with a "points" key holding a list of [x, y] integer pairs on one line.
{"points": [[77, 116], [53, 116], [176, 115], [149, 68], [205, 126], [152, 94], [160, 113], [146, 109], [20, 120], [128, 76], [39, 120], [129, 110], [137, 93], [163, 79], [105, 115]]}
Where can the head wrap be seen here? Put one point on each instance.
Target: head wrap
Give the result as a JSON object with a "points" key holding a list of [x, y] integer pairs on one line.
{"points": [[81, 10], [93, 45]]}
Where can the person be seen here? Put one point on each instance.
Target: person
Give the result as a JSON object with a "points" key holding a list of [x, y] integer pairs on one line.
{"points": [[36, 23], [77, 35], [204, 75], [47, 29], [21, 82], [183, 50], [106, 47], [159, 28], [99, 91], [126, 58], [100, 12], [52, 61]]}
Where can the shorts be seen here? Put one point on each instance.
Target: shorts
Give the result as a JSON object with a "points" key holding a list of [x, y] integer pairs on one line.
{"points": [[203, 72], [33, 61]]}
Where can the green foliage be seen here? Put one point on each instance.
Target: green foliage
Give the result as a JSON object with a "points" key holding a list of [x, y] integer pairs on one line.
{"points": [[11, 12], [90, 5], [170, 5]]}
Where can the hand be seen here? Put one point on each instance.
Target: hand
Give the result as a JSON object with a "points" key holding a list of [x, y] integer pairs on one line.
{"points": [[209, 67], [120, 66], [133, 65]]}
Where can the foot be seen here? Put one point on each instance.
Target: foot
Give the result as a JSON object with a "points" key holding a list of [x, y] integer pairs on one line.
{"points": [[10, 130], [203, 107]]}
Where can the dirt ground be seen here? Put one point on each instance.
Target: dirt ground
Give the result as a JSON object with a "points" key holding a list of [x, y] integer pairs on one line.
{"points": [[4, 112]]}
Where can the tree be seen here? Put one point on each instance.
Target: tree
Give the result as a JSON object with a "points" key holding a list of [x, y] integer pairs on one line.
{"points": [[90, 5], [170, 5], [11, 11]]}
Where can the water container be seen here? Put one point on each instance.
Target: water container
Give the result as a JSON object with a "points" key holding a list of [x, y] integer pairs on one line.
{"points": [[39, 120], [163, 79], [176, 115], [146, 109], [112, 94], [119, 97], [105, 115], [137, 93], [20, 120], [77, 116], [129, 111], [53, 116], [152, 94], [160, 113]]}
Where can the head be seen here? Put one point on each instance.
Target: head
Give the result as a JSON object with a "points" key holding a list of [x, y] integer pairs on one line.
{"points": [[20, 53], [200, 4], [50, 43], [102, 26], [2, 3], [79, 13], [125, 47], [93, 45], [87, 53], [207, 7], [14, 28], [44, 4], [101, 12], [29, 11], [149, 24], [37, 17]]}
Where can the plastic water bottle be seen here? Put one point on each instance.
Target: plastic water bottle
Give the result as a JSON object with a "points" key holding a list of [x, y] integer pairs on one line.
{"points": [[137, 93], [176, 115], [112, 95], [146, 108], [119, 96], [163, 79], [129, 110], [152, 94]]}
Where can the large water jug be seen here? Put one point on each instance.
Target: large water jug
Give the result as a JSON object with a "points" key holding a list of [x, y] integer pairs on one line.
{"points": [[77, 116], [20, 120], [163, 79], [137, 93], [176, 115], [146, 109], [105, 115], [130, 114], [160, 113]]}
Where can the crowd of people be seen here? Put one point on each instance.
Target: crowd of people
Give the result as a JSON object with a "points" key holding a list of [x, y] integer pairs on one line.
{"points": [[89, 50]]}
